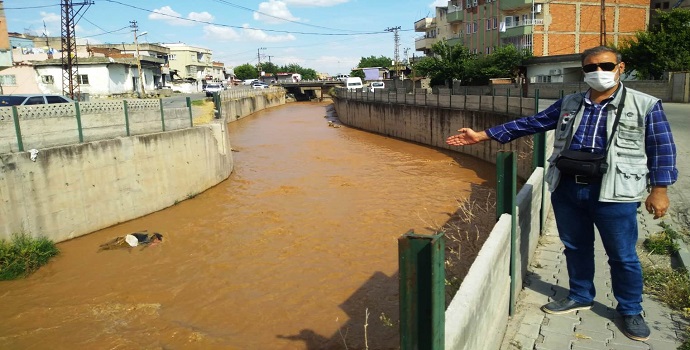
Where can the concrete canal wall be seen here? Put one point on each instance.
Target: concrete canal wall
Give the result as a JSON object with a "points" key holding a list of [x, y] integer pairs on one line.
{"points": [[477, 316], [76, 188]]}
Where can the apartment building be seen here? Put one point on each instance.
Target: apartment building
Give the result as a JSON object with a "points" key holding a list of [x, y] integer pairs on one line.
{"points": [[545, 28], [189, 62]]}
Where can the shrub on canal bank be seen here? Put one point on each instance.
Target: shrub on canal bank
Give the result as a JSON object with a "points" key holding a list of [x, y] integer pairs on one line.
{"points": [[23, 255]]}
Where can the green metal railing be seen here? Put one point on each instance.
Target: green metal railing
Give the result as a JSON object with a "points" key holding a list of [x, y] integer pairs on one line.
{"points": [[80, 116], [421, 258], [422, 291]]}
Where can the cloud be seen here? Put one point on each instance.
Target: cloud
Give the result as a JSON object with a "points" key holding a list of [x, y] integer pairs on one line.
{"points": [[201, 16], [221, 33], [438, 3], [274, 8], [167, 14], [315, 3], [261, 36]]}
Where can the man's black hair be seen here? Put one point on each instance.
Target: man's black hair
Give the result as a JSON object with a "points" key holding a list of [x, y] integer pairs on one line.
{"points": [[600, 49]]}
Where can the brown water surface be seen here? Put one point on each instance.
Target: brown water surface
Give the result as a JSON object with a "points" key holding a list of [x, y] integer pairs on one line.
{"points": [[290, 252]]}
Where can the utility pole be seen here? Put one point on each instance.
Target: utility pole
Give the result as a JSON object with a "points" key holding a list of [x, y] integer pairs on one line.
{"points": [[396, 56], [134, 26], [602, 37], [70, 66], [258, 57]]}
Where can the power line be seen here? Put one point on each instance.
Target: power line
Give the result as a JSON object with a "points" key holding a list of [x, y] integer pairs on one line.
{"points": [[239, 27], [281, 18]]}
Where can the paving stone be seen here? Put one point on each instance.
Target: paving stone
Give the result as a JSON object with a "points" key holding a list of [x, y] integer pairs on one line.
{"points": [[588, 344], [592, 320], [658, 344], [602, 335], [555, 340], [563, 324], [621, 342]]}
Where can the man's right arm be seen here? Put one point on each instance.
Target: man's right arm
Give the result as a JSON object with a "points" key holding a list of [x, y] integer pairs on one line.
{"points": [[506, 132]]}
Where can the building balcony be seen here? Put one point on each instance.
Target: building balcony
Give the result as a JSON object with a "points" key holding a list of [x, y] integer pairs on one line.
{"points": [[514, 4], [519, 28], [423, 43], [457, 15], [455, 40], [424, 24]]}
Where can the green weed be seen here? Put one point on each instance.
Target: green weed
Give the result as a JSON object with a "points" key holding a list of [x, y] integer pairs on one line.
{"points": [[23, 255]]}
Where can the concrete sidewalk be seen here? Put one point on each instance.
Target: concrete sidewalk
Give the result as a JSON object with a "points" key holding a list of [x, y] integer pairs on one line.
{"points": [[595, 329]]}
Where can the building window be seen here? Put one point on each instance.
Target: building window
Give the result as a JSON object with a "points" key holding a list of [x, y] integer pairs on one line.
{"points": [[469, 28], [488, 24], [83, 79], [6, 80], [665, 5], [509, 21], [172, 57], [47, 79], [487, 50], [543, 79], [495, 22], [474, 27]]}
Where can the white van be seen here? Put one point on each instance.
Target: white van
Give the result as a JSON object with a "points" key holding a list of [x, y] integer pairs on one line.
{"points": [[341, 77], [353, 83]]}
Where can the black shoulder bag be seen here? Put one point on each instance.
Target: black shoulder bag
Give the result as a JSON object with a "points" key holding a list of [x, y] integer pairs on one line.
{"points": [[585, 163]]}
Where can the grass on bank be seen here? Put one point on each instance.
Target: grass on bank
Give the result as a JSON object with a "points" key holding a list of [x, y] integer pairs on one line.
{"points": [[669, 285], [23, 255]]}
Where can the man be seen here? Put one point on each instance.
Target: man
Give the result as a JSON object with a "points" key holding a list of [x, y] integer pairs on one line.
{"points": [[629, 132]]}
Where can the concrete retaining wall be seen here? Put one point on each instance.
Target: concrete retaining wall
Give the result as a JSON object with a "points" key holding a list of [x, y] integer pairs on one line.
{"points": [[73, 190], [78, 188], [233, 108], [431, 121]]}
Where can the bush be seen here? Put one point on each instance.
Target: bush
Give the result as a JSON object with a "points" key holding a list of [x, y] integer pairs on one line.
{"points": [[24, 255]]}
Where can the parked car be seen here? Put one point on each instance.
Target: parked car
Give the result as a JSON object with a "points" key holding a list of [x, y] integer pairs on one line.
{"points": [[342, 77], [376, 85], [213, 87], [32, 99], [260, 85], [249, 81]]}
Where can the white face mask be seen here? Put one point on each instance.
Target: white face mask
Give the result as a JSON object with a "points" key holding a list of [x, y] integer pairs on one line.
{"points": [[601, 80]]}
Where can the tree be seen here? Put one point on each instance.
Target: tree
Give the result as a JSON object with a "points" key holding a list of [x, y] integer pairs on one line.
{"points": [[450, 62], [665, 47], [371, 61], [504, 62], [269, 68], [357, 73], [307, 73], [246, 71]]}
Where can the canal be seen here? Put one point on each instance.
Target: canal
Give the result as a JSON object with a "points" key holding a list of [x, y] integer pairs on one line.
{"points": [[297, 249]]}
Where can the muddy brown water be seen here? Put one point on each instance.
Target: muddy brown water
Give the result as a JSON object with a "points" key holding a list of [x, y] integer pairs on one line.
{"points": [[290, 252]]}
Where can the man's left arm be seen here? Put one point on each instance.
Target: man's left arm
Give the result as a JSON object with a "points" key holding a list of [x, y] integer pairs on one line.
{"points": [[661, 160]]}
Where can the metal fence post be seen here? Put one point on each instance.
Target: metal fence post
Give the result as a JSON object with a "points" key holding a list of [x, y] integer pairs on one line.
{"points": [[508, 101], [79, 127], [160, 105], [17, 129], [189, 107], [506, 183], [422, 291], [126, 109]]}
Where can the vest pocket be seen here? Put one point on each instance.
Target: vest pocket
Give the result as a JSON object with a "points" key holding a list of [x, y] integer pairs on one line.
{"points": [[630, 180], [629, 137]]}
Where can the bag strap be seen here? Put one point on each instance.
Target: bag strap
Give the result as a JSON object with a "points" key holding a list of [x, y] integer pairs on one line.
{"points": [[619, 112]]}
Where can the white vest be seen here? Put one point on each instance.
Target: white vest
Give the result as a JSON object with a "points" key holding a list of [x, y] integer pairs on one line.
{"points": [[626, 178]]}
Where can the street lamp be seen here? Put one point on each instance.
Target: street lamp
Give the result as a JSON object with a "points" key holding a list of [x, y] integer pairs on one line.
{"points": [[141, 78]]}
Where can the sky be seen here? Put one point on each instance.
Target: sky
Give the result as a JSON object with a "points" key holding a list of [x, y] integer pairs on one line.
{"points": [[329, 36]]}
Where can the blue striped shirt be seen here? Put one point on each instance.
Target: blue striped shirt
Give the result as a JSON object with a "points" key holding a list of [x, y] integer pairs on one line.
{"points": [[590, 135]]}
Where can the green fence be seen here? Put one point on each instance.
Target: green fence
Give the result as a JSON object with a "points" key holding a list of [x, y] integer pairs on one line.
{"points": [[422, 258], [51, 125]]}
